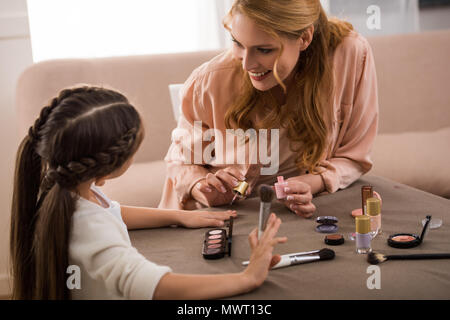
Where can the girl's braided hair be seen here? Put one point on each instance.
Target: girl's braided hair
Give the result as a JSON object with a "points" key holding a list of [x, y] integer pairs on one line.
{"points": [[84, 133]]}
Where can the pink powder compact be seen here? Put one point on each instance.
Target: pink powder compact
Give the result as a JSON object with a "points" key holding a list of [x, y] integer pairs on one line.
{"points": [[408, 240], [217, 242], [279, 188]]}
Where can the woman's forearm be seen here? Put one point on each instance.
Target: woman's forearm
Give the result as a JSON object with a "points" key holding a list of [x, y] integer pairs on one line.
{"points": [[197, 287], [315, 181], [142, 218]]}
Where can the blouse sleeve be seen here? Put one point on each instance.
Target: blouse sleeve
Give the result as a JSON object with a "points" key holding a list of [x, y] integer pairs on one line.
{"points": [[184, 161], [351, 156]]}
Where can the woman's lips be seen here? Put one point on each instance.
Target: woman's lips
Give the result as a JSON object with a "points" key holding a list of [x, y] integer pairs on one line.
{"points": [[259, 76]]}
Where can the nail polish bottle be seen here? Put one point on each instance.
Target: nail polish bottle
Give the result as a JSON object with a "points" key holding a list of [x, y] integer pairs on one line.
{"points": [[366, 193], [363, 236], [279, 187], [374, 212]]}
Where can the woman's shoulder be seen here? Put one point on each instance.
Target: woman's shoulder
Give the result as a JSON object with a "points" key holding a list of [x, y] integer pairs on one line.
{"points": [[220, 69], [353, 48]]}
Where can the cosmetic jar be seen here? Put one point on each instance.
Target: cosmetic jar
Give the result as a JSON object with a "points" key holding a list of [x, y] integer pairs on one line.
{"points": [[363, 236], [279, 187], [374, 212], [327, 224], [334, 239]]}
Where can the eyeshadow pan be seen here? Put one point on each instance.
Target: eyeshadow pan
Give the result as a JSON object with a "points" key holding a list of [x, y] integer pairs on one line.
{"points": [[214, 241], [216, 236], [213, 246], [404, 238], [215, 231], [213, 251]]}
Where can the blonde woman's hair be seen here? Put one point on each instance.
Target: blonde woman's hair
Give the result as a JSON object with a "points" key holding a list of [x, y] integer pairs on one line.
{"points": [[307, 113]]}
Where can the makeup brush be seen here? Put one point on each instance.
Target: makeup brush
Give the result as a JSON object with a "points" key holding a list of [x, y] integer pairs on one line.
{"points": [[265, 193], [291, 259], [376, 258]]}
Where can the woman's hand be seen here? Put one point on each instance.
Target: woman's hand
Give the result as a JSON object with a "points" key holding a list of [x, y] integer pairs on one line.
{"points": [[261, 259], [201, 219], [299, 198], [216, 189]]}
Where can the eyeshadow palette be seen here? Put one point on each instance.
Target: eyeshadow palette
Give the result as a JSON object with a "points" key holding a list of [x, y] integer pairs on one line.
{"points": [[327, 224], [217, 242]]}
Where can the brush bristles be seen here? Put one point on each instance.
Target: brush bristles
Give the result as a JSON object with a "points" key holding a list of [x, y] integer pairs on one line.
{"points": [[376, 258], [326, 254], [265, 193]]}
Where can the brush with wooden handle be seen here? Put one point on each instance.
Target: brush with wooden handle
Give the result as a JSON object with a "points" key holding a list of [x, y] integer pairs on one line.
{"points": [[376, 258]]}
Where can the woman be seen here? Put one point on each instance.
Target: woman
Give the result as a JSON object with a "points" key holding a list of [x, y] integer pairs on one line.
{"points": [[293, 69]]}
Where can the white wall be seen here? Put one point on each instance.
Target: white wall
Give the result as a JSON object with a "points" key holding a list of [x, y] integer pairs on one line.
{"points": [[15, 56]]}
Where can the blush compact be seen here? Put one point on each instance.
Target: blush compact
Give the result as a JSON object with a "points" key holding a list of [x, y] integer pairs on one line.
{"points": [[217, 242], [334, 239], [327, 224], [408, 240]]}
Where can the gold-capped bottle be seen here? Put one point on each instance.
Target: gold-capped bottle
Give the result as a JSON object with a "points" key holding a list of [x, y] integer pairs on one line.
{"points": [[374, 212], [363, 236]]}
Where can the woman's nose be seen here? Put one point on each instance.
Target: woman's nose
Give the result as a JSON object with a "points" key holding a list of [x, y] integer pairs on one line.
{"points": [[248, 62]]}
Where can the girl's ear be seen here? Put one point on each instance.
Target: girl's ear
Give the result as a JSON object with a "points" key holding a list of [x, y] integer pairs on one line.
{"points": [[100, 182]]}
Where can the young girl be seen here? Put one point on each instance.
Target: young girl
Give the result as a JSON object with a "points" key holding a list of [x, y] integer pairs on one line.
{"points": [[60, 218]]}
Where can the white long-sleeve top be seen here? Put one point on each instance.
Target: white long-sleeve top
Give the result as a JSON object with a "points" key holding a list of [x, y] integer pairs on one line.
{"points": [[111, 268]]}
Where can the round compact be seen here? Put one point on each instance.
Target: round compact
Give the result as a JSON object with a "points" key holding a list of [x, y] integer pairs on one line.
{"points": [[404, 240], [327, 224], [334, 239]]}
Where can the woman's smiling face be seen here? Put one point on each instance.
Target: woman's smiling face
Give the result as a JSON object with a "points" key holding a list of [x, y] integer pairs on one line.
{"points": [[258, 51]]}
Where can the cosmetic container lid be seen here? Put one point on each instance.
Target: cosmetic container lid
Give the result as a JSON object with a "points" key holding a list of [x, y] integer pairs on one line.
{"points": [[362, 224], [241, 188], [373, 206], [280, 179], [334, 239]]}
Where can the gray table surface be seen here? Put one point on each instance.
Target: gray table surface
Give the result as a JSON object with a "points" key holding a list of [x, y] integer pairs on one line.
{"points": [[344, 277]]}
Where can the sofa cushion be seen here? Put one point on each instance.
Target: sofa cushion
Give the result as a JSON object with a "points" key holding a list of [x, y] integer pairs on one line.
{"points": [[418, 159], [141, 185]]}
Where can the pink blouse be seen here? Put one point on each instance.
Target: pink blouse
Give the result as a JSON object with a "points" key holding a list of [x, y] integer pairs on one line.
{"points": [[212, 87]]}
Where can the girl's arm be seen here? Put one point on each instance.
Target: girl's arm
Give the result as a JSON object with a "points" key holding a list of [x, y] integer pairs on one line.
{"points": [[186, 287], [143, 218]]}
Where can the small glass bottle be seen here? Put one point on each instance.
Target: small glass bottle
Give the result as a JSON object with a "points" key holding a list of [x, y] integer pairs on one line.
{"points": [[363, 236], [366, 193], [374, 212]]}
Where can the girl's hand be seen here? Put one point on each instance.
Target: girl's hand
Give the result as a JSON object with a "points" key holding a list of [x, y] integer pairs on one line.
{"points": [[201, 219], [261, 259], [299, 198]]}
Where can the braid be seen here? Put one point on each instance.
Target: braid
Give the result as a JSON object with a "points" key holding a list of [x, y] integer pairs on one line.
{"points": [[102, 163], [34, 130]]}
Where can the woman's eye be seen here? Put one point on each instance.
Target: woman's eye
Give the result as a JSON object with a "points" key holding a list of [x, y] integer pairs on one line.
{"points": [[265, 51], [236, 43]]}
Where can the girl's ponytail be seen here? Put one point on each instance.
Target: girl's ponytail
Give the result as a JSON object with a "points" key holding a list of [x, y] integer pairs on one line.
{"points": [[26, 190]]}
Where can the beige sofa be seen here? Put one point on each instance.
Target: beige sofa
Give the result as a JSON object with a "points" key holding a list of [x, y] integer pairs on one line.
{"points": [[413, 145]]}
